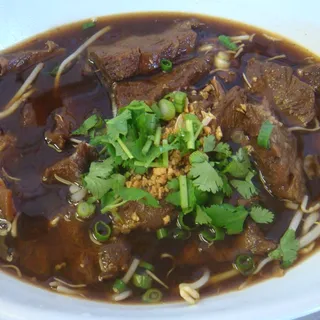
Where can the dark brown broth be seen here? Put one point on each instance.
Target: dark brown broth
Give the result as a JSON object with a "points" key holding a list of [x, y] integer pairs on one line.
{"points": [[83, 94]]}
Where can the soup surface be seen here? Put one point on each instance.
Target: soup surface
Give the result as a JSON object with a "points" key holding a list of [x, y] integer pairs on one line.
{"points": [[171, 156]]}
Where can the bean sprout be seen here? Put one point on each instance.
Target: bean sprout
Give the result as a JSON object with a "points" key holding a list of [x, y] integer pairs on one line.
{"points": [[188, 291], [310, 209], [298, 128], [280, 56], [295, 222], [64, 181], [246, 80], [309, 222], [8, 176], [69, 284], [74, 55], [11, 266], [14, 226], [261, 264], [270, 37], [132, 269], [122, 296], [309, 237]]}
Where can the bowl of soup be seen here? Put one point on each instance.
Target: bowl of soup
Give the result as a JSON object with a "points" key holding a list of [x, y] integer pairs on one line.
{"points": [[159, 160]]}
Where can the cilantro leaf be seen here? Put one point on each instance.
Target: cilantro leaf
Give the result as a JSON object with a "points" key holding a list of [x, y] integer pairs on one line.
{"points": [[201, 217], [198, 157], [261, 215], [226, 188], [287, 250], [136, 105], [227, 216], [97, 186], [246, 188], [173, 184], [87, 125], [209, 143], [101, 169], [207, 178], [224, 149], [118, 125], [135, 194], [174, 198], [240, 164]]}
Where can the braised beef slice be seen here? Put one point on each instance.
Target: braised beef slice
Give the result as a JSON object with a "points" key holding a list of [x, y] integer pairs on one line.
{"points": [[252, 240], [7, 209], [155, 87], [311, 75], [142, 54], [6, 140], [311, 165], [17, 62], [64, 123], [293, 97], [114, 257], [72, 167], [28, 116], [280, 165], [134, 215]]}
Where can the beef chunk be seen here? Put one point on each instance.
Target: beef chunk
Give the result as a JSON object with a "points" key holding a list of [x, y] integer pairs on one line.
{"points": [[72, 167], [311, 75], [293, 97], [64, 122], [154, 88], [114, 258], [28, 116], [7, 209], [142, 54], [251, 240], [134, 215], [280, 165], [311, 165], [17, 62]]}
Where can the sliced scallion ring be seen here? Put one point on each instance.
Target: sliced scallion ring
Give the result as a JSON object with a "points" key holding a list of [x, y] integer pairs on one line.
{"points": [[119, 286], [212, 234], [101, 231], [142, 281], [162, 233], [245, 264], [166, 65], [152, 296], [263, 139]]}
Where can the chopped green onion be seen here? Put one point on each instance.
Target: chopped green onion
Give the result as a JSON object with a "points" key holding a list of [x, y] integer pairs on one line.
{"points": [[152, 296], [142, 281], [264, 134], [146, 265], [101, 231], [88, 25], [196, 135], [179, 100], [167, 110], [191, 139], [119, 286], [157, 137], [125, 149], [166, 65], [212, 234], [179, 234], [186, 221], [165, 155], [162, 233], [85, 210], [226, 41], [217, 198], [183, 192], [245, 264], [151, 165], [147, 145], [155, 108]]}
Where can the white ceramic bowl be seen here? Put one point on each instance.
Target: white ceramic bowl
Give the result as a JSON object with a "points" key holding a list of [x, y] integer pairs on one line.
{"points": [[296, 294]]}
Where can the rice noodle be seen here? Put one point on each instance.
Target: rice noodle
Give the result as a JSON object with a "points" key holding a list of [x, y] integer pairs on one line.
{"points": [[122, 296], [11, 266], [240, 38], [188, 291], [154, 277], [298, 128], [14, 226], [15, 105], [246, 80], [295, 222], [8, 176], [238, 52], [309, 237], [132, 269], [224, 276], [280, 56], [74, 55], [309, 222]]}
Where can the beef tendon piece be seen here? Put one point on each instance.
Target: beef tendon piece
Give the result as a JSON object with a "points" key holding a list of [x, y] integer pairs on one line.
{"points": [[18, 62], [142, 54], [73, 166], [135, 215], [280, 165], [293, 97], [7, 208], [154, 88]]}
